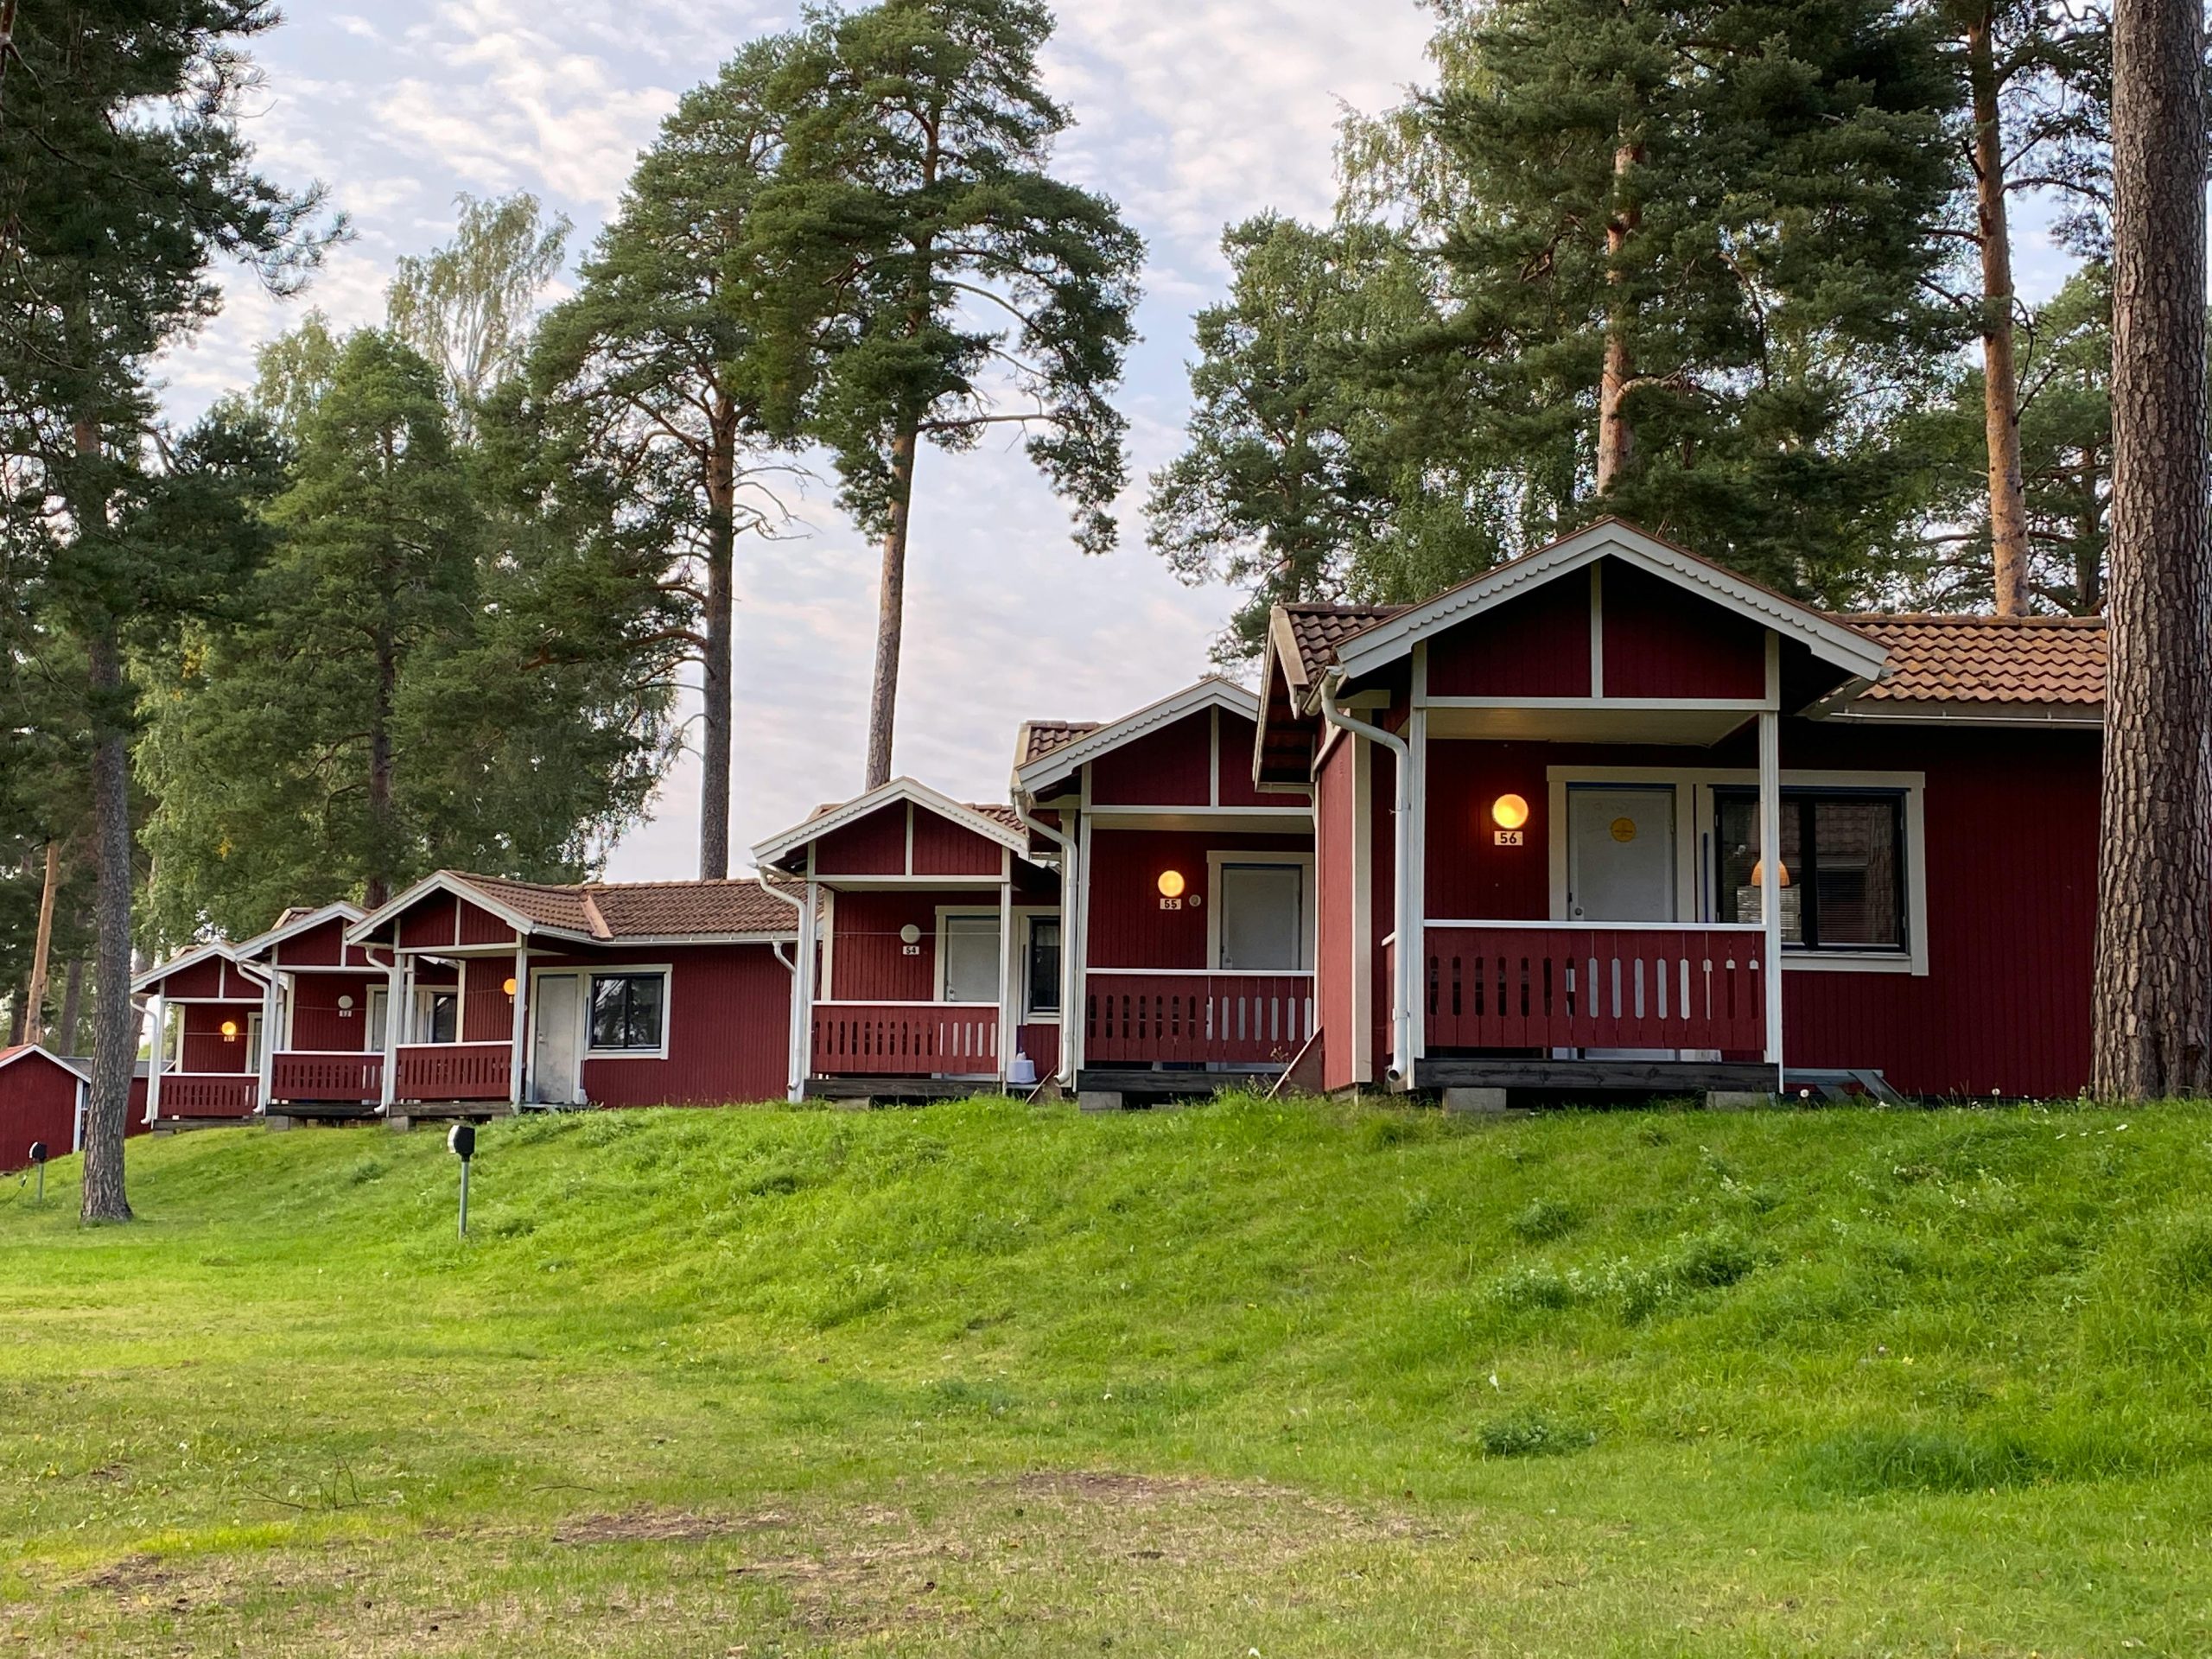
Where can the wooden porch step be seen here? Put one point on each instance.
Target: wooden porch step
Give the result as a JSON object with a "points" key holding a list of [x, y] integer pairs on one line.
{"points": [[1639, 1076], [895, 1088]]}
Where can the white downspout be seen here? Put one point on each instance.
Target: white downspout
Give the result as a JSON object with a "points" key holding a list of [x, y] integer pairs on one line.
{"points": [[1064, 1073], [1405, 951], [794, 1074]]}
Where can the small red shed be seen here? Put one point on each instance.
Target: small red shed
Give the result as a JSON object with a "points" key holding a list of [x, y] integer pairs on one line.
{"points": [[42, 1098]]}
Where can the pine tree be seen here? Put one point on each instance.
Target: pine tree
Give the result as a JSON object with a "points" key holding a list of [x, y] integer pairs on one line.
{"points": [[652, 380], [961, 286]]}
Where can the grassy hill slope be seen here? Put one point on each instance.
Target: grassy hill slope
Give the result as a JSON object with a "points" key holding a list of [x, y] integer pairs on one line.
{"points": [[1288, 1378]]}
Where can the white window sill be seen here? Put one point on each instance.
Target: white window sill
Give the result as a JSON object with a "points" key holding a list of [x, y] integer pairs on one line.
{"points": [[1852, 962]]}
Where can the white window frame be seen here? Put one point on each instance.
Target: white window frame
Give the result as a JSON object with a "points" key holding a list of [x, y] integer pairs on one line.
{"points": [[373, 1039], [945, 912], [1025, 918], [1308, 904], [1696, 818], [592, 974]]}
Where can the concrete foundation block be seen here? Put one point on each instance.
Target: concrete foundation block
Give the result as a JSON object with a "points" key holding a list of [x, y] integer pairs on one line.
{"points": [[1738, 1100], [398, 1124], [1099, 1100], [1474, 1100], [276, 1122]]}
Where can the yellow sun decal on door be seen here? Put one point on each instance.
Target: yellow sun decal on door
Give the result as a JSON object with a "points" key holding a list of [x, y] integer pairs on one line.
{"points": [[1623, 829]]}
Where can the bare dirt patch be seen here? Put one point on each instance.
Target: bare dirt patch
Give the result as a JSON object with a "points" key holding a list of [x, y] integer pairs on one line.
{"points": [[650, 1526]]}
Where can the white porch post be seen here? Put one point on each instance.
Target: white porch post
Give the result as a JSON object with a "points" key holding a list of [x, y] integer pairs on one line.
{"points": [[272, 1031], [802, 1054], [521, 1021], [160, 1006], [395, 1010], [1078, 1026], [1770, 880], [1009, 1002], [1413, 926]]}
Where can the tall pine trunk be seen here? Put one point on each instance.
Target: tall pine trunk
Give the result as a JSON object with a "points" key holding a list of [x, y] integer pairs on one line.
{"points": [[1616, 437], [377, 889], [2154, 872], [42, 946], [115, 1032], [721, 559], [2000, 395], [891, 606]]}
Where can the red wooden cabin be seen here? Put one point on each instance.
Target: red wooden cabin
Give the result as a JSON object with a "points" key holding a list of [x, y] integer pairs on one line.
{"points": [[42, 1098], [518, 993], [324, 1011], [938, 932], [208, 1013], [1661, 828], [1192, 893]]}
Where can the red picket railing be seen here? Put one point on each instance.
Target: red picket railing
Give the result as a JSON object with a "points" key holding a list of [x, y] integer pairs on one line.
{"points": [[1131, 1018], [208, 1094], [905, 1039], [1520, 987], [299, 1074], [453, 1071]]}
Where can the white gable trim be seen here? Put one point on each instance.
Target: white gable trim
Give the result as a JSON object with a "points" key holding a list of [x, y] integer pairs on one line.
{"points": [[260, 943], [460, 887], [153, 976], [1212, 692], [898, 788], [24, 1050], [1386, 642]]}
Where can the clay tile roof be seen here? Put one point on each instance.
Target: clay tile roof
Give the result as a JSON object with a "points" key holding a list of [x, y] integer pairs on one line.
{"points": [[626, 910], [1038, 738], [2006, 659], [999, 814], [1319, 629]]}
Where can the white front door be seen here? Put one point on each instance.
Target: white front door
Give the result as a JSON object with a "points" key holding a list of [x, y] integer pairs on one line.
{"points": [[1262, 919], [556, 1053], [1620, 854], [971, 958]]}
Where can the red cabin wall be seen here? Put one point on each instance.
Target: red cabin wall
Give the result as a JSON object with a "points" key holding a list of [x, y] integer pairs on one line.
{"points": [[322, 945], [1470, 877], [1239, 737], [1662, 641], [1128, 928], [205, 1048], [319, 1024], [944, 847], [867, 959], [38, 1102], [729, 1026], [1172, 766], [1382, 898], [487, 1013], [427, 922], [874, 845], [211, 977], [1337, 879], [1535, 646], [480, 926]]}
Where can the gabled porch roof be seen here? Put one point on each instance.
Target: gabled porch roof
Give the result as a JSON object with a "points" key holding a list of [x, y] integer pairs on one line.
{"points": [[218, 950], [1075, 745], [995, 824], [740, 911], [296, 921]]}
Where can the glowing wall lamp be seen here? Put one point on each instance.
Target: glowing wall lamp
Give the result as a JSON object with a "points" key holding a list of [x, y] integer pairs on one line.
{"points": [[509, 987], [230, 1031], [1759, 874], [1171, 884], [1508, 812]]}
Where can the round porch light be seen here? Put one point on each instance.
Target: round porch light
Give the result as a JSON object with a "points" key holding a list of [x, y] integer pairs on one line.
{"points": [[910, 934], [509, 987], [1759, 874], [1171, 884], [345, 1005], [230, 1031], [1509, 811]]}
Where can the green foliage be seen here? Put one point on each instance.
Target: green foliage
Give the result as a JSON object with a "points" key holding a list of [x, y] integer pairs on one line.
{"points": [[468, 307]]}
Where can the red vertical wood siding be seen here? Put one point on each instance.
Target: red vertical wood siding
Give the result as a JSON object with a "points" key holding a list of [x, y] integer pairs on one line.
{"points": [[1128, 929], [480, 926], [1470, 877], [38, 1102], [944, 847], [205, 1048], [874, 845], [1172, 766], [1239, 737], [487, 1013], [1662, 641], [322, 945], [427, 922], [203, 978], [1535, 646], [1040, 1041], [868, 961], [1383, 898], [318, 1023], [728, 1026]]}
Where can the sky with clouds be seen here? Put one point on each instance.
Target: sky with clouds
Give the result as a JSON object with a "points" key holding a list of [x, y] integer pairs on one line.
{"points": [[1189, 113]]}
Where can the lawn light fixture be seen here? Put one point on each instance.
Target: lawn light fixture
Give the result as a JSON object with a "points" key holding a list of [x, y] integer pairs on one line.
{"points": [[230, 1031], [1172, 883], [910, 934], [38, 1162], [461, 1140], [1509, 811]]}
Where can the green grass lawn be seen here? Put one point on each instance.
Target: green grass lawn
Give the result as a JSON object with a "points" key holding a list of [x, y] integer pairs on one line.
{"points": [[1284, 1379]]}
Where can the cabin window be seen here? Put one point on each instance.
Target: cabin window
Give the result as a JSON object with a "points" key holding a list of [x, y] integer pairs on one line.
{"points": [[1044, 965], [627, 1010], [379, 1009], [437, 1016], [1843, 867]]}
